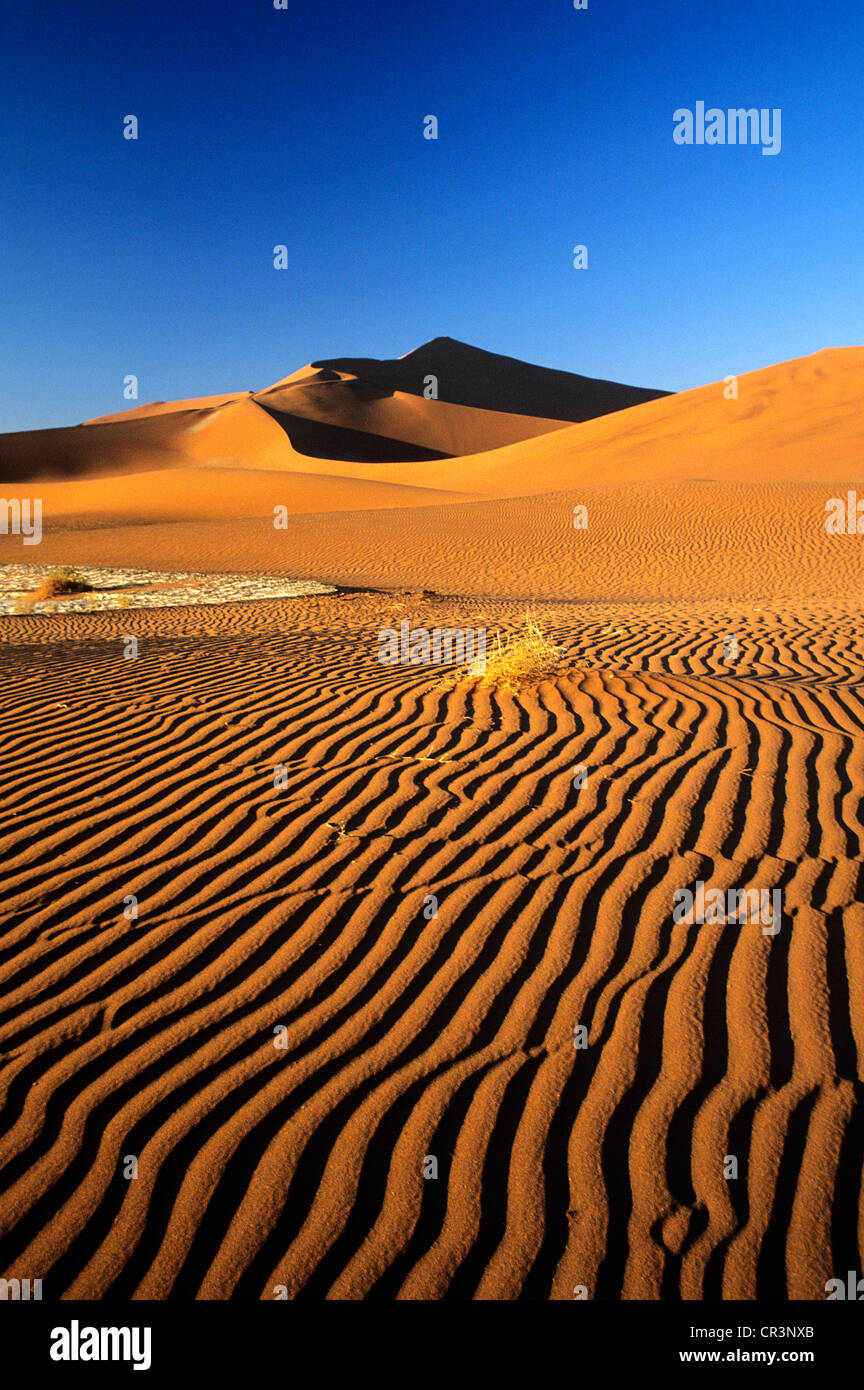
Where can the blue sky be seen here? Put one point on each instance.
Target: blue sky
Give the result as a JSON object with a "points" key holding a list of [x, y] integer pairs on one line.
{"points": [[305, 127]]}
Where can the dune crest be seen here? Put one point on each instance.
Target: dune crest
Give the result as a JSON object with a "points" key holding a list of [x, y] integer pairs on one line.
{"points": [[374, 412]]}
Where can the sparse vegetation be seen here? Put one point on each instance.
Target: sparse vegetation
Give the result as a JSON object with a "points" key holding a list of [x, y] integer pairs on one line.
{"points": [[523, 659], [64, 580]]}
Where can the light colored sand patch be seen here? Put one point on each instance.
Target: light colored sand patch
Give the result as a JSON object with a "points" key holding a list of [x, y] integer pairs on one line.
{"points": [[135, 588]]}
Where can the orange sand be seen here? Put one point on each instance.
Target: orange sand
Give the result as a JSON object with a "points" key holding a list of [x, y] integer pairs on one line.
{"points": [[451, 1035]]}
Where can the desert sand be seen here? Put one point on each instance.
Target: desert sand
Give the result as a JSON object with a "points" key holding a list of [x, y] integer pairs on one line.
{"points": [[297, 1169]]}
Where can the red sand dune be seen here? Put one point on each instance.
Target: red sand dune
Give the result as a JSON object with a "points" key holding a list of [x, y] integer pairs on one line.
{"points": [[306, 906], [691, 495]]}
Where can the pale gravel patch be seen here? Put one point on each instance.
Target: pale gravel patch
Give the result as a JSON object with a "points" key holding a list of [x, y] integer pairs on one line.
{"points": [[174, 589]]}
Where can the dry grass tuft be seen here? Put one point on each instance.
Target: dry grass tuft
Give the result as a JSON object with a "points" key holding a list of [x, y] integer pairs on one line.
{"points": [[523, 659], [60, 581]]}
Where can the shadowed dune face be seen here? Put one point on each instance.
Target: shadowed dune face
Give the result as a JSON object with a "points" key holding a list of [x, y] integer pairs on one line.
{"points": [[317, 410], [408, 1034], [317, 439], [470, 376], [88, 450]]}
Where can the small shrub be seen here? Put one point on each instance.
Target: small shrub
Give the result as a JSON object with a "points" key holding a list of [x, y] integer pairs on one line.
{"points": [[65, 580], [524, 659]]}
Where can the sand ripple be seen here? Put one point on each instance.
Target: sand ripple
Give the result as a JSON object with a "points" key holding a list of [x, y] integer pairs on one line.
{"points": [[411, 1035]]}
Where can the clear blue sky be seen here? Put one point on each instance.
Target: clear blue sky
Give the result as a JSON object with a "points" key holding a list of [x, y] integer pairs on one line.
{"points": [[305, 127]]}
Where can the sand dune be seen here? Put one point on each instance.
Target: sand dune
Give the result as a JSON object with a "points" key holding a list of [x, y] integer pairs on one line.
{"points": [[692, 494], [346, 406], [141, 412], [409, 1034], [322, 414]]}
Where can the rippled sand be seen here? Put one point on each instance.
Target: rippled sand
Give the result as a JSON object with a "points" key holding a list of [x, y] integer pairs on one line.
{"points": [[300, 1168]]}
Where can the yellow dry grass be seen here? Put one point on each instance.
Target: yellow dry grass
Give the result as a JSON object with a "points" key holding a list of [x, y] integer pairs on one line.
{"points": [[522, 659], [60, 581]]}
